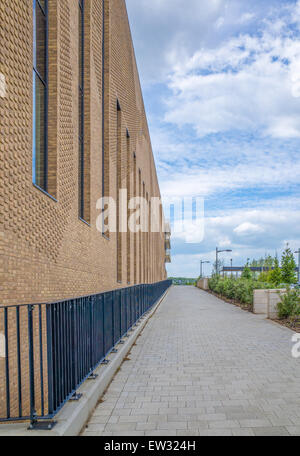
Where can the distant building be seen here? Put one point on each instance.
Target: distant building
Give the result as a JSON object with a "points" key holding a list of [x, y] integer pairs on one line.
{"points": [[238, 270]]}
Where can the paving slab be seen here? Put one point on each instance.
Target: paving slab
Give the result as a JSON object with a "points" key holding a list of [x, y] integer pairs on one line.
{"points": [[205, 367]]}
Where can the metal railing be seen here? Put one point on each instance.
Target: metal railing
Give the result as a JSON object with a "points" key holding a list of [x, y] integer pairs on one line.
{"points": [[51, 349]]}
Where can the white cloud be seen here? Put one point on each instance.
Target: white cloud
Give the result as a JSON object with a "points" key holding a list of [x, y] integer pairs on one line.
{"points": [[219, 22], [247, 228], [250, 233], [247, 17], [205, 182], [166, 25], [180, 28], [266, 224], [230, 70], [247, 83]]}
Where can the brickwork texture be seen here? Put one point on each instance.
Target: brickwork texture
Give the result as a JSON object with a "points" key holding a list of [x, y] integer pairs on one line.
{"points": [[47, 253]]}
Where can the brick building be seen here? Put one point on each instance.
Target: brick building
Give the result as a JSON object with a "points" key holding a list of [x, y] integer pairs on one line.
{"points": [[73, 129]]}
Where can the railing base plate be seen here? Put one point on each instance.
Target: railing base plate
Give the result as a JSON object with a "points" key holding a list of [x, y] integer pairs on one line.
{"points": [[93, 376], [105, 362], [42, 426], [76, 397], [114, 350]]}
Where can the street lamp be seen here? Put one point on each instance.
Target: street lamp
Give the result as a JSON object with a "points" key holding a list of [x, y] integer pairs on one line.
{"points": [[298, 251], [217, 259], [201, 263]]}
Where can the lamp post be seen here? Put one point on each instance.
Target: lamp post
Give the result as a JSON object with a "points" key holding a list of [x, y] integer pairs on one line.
{"points": [[298, 251], [201, 263], [217, 257]]}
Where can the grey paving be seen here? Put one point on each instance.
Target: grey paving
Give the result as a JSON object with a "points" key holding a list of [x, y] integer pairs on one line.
{"points": [[204, 367]]}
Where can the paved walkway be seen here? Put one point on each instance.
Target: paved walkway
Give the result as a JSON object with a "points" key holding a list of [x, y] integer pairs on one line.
{"points": [[204, 367]]}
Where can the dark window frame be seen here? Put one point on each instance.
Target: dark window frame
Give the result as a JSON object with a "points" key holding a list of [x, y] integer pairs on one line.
{"points": [[128, 240], [81, 100], [45, 82], [118, 188]]}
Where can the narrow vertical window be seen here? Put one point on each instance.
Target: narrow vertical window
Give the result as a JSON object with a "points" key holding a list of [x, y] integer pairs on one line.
{"points": [[129, 253], [119, 186], [81, 108], [148, 240], [140, 233], [135, 237], [40, 94], [144, 235], [150, 243], [106, 54]]}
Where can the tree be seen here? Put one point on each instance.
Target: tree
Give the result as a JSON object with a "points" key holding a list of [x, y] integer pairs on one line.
{"points": [[269, 262], [247, 274], [261, 262], [275, 276], [263, 277], [288, 266], [218, 267]]}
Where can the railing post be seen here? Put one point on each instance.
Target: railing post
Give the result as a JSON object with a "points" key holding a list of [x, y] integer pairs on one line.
{"points": [[120, 313], [34, 424], [31, 367], [91, 333], [7, 363], [19, 361], [50, 360], [113, 319], [76, 341]]}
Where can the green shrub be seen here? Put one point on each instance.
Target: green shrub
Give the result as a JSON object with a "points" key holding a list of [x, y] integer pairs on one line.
{"points": [[212, 283], [289, 305], [241, 290]]}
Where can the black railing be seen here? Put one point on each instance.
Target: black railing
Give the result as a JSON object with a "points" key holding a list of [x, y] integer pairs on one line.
{"points": [[48, 350]]}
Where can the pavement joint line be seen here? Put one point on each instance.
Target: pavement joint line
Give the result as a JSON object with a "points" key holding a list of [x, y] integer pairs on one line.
{"points": [[205, 366]]}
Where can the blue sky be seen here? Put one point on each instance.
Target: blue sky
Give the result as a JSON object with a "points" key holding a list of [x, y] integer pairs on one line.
{"points": [[221, 85]]}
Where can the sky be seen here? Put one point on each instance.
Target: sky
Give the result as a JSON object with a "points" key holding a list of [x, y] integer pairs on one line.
{"points": [[221, 86]]}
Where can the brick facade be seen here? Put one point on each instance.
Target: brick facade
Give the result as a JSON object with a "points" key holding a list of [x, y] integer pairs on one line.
{"points": [[46, 252]]}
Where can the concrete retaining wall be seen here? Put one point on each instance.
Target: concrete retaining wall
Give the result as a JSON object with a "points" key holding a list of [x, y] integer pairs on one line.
{"points": [[260, 302], [203, 284], [274, 299], [265, 302]]}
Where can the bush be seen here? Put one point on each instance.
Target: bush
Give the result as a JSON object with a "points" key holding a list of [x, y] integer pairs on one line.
{"points": [[289, 305], [241, 290]]}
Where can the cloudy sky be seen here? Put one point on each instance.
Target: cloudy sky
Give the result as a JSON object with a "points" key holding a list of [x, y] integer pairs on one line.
{"points": [[221, 84]]}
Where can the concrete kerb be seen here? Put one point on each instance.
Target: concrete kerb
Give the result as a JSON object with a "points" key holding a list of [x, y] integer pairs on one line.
{"points": [[74, 415]]}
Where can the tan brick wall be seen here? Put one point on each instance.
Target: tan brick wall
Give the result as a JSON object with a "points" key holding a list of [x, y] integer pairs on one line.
{"points": [[46, 252]]}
